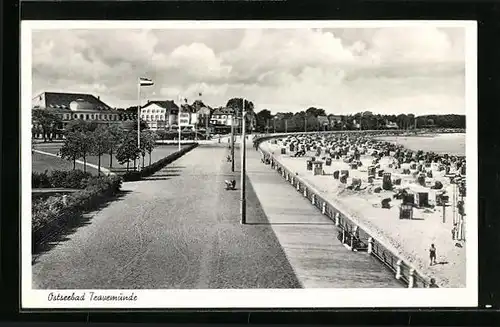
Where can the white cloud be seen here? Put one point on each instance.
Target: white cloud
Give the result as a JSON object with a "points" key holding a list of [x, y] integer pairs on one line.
{"points": [[342, 70]]}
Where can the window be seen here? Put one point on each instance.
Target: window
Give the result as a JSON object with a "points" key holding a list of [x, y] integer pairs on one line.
{"points": [[81, 116], [92, 116], [147, 117]]}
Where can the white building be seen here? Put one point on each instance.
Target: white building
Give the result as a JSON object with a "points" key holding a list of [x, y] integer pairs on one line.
{"points": [[223, 116], [73, 106], [160, 114]]}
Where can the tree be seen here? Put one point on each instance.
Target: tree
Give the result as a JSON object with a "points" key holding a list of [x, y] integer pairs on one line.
{"points": [[131, 125], [148, 143], [116, 134], [261, 119], [84, 144], [128, 150], [78, 144], [100, 140], [47, 120], [81, 126], [70, 149], [312, 111]]}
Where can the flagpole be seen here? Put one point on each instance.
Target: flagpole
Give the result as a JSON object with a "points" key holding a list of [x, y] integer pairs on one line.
{"points": [[139, 114]]}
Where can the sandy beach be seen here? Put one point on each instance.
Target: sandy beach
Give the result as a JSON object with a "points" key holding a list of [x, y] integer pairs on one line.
{"points": [[410, 239]]}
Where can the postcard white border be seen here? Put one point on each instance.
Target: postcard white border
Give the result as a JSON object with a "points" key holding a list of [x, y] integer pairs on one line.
{"points": [[261, 298]]}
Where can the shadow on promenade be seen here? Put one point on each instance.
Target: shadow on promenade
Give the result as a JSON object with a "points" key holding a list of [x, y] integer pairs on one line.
{"points": [[290, 224], [71, 226]]}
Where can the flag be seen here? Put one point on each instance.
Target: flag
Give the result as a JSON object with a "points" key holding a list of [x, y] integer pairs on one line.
{"points": [[145, 82]]}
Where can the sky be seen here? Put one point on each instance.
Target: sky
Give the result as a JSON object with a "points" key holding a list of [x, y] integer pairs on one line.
{"points": [[389, 70]]}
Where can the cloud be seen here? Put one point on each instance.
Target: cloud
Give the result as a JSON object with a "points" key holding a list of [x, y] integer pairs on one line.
{"points": [[341, 70]]}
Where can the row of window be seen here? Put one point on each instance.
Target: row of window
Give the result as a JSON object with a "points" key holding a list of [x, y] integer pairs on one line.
{"points": [[221, 116], [92, 117], [153, 111], [153, 117]]}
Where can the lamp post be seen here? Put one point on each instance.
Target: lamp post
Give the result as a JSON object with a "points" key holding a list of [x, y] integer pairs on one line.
{"points": [[243, 167], [179, 121], [232, 141]]}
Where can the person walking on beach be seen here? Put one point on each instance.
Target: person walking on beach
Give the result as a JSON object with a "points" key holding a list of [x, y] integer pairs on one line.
{"points": [[432, 254], [432, 284]]}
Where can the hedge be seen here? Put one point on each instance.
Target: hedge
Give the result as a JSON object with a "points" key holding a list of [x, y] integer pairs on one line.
{"points": [[60, 178], [156, 166], [51, 215]]}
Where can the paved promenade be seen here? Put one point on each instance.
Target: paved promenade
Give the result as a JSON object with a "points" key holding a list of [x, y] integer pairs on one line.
{"points": [[309, 239], [177, 229]]}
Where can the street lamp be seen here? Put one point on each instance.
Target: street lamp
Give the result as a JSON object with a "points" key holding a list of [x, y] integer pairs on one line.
{"points": [[232, 139], [243, 208]]}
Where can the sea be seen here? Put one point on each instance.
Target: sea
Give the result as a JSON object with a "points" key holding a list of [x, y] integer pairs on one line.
{"points": [[450, 143]]}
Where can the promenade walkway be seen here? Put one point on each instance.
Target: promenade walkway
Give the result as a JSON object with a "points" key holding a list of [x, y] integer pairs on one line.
{"points": [[309, 239], [178, 229]]}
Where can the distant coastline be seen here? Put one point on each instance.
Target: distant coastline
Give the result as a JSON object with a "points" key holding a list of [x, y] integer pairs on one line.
{"points": [[441, 143]]}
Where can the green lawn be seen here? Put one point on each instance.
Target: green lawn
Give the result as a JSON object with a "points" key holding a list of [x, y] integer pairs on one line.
{"points": [[42, 162]]}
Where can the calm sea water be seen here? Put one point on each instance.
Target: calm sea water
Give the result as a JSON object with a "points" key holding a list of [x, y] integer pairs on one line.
{"points": [[453, 143]]}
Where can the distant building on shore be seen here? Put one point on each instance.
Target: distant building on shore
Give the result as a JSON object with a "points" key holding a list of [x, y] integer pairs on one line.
{"points": [[323, 122], [73, 106], [160, 114], [391, 125], [335, 120]]}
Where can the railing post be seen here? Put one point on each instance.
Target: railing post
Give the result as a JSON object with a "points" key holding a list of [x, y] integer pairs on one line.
{"points": [[298, 186], [370, 245], [398, 269], [337, 219], [411, 278], [305, 191], [313, 199], [323, 208]]}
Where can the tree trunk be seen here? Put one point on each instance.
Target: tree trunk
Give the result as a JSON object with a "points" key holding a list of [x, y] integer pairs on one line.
{"points": [[111, 159], [74, 163], [150, 158], [135, 163], [128, 163], [84, 163], [99, 165]]}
